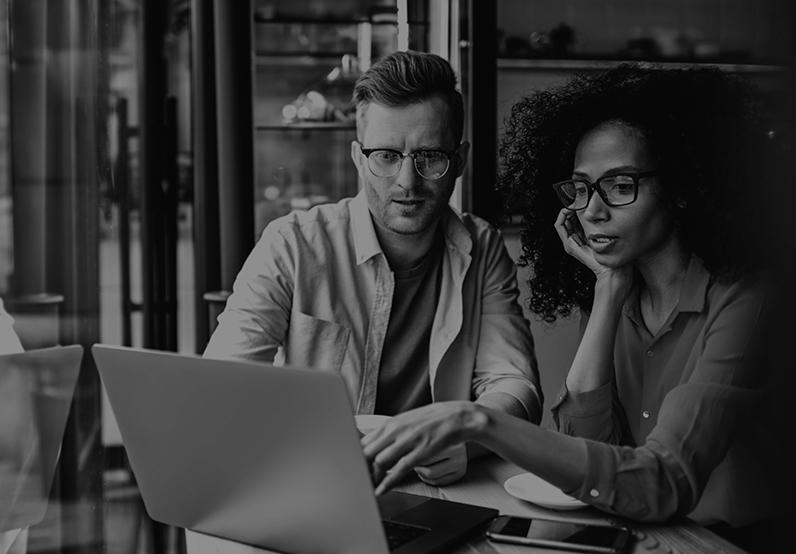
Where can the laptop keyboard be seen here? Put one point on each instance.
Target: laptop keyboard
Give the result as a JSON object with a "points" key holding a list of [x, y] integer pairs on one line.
{"points": [[399, 534]]}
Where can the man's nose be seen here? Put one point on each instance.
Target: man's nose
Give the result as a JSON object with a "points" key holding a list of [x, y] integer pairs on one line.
{"points": [[408, 178]]}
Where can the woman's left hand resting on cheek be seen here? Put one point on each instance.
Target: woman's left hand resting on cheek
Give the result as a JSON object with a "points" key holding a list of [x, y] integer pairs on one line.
{"points": [[429, 439]]}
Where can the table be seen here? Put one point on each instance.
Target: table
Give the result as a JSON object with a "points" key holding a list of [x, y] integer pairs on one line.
{"points": [[483, 486]]}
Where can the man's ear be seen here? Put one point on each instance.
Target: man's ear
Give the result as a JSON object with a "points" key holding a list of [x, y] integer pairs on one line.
{"points": [[355, 157], [461, 157]]}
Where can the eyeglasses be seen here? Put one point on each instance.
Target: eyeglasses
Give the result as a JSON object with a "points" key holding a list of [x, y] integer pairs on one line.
{"points": [[619, 189], [429, 164]]}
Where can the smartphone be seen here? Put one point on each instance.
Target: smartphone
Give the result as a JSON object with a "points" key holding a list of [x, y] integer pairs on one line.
{"points": [[565, 535]]}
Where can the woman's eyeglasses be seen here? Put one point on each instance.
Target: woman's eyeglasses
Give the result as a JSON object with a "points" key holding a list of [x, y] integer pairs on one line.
{"points": [[619, 189]]}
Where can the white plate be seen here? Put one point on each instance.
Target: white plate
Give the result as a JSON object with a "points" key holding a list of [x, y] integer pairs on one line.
{"points": [[527, 486], [370, 422]]}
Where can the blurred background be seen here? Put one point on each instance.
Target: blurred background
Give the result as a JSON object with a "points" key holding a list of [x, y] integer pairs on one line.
{"points": [[145, 144]]}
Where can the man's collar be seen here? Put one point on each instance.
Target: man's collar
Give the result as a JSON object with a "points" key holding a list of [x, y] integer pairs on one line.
{"points": [[366, 243], [455, 232]]}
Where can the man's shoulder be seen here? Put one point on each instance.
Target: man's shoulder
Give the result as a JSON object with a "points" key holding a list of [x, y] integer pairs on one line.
{"points": [[320, 219], [480, 230]]}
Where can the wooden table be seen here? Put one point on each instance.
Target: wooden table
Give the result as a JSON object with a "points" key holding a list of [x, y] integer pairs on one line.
{"points": [[483, 486]]}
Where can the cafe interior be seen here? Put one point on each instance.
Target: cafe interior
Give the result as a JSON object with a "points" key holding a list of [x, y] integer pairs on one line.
{"points": [[146, 144]]}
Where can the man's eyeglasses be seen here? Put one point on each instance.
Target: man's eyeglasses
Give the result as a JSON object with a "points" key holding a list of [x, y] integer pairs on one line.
{"points": [[429, 164], [615, 190]]}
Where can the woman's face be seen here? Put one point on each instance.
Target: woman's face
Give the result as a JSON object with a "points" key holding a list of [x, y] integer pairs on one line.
{"points": [[634, 232]]}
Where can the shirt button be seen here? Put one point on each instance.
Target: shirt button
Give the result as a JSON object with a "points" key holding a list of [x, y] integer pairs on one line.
{"points": [[645, 414], [594, 493], [649, 353]]}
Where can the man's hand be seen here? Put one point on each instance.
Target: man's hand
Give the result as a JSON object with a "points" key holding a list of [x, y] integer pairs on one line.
{"points": [[447, 467]]}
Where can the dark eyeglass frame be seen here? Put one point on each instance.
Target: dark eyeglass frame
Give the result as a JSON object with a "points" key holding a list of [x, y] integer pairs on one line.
{"points": [[415, 154], [591, 187]]}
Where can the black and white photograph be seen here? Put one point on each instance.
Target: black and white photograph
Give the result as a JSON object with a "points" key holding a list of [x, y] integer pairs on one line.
{"points": [[397, 276]]}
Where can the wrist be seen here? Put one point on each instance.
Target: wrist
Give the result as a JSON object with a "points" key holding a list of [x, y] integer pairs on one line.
{"points": [[611, 286], [476, 420]]}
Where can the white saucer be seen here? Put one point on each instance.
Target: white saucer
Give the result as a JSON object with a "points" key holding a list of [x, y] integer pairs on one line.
{"points": [[529, 487], [370, 422]]}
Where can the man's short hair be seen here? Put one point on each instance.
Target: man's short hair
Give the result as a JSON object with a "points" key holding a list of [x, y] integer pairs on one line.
{"points": [[405, 78]]}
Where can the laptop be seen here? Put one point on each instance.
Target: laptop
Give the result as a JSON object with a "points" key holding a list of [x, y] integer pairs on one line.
{"points": [[263, 455], [36, 390]]}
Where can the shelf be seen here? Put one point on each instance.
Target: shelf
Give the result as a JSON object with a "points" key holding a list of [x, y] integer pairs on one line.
{"points": [[332, 21], [309, 126], [600, 64], [310, 20], [302, 59]]}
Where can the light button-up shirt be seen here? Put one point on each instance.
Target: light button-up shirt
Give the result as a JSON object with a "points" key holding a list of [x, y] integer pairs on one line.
{"points": [[316, 291]]}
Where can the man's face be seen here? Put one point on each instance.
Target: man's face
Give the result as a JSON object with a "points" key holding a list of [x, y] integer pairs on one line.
{"points": [[407, 204]]}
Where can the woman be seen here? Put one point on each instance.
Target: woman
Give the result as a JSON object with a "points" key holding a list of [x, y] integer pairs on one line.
{"points": [[644, 197]]}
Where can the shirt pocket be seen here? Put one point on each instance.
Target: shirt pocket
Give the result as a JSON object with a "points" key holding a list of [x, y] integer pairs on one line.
{"points": [[314, 342]]}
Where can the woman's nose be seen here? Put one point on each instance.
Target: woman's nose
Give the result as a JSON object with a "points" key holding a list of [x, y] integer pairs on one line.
{"points": [[596, 209]]}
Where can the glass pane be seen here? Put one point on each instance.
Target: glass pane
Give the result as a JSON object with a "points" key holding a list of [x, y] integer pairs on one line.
{"points": [[6, 227], [311, 9], [298, 168], [308, 56], [274, 37]]}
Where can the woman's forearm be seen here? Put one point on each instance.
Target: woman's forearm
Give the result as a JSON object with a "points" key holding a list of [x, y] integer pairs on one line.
{"points": [[556, 458], [593, 362]]}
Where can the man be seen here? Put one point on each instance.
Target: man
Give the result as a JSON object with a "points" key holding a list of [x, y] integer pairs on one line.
{"points": [[410, 301], [14, 541]]}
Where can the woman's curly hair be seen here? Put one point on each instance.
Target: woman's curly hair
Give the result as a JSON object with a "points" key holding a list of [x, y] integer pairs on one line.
{"points": [[713, 146]]}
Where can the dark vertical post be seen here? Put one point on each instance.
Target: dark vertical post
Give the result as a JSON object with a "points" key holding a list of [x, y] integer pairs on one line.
{"points": [[27, 142], [158, 185], [169, 206], [152, 91], [481, 105], [206, 247], [122, 180], [233, 65]]}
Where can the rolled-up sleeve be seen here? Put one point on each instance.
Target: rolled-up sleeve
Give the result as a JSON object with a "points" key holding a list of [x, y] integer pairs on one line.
{"points": [[255, 320], [505, 360], [667, 474], [595, 414], [697, 422]]}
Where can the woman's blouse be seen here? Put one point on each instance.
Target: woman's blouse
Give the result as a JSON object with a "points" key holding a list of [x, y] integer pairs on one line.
{"points": [[681, 428]]}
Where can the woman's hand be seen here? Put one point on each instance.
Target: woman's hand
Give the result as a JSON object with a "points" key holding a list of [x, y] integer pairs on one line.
{"points": [[576, 245], [429, 439]]}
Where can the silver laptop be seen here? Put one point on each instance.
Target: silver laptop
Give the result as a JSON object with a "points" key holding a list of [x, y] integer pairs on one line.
{"points": [[266, 456], [36, 389]]}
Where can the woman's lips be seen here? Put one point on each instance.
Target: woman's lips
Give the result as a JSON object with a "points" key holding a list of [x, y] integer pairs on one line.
{"points": [[600, 243]]}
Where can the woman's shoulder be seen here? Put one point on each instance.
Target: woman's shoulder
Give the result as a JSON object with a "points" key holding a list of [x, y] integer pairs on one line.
{"points": [[750, 296]]}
